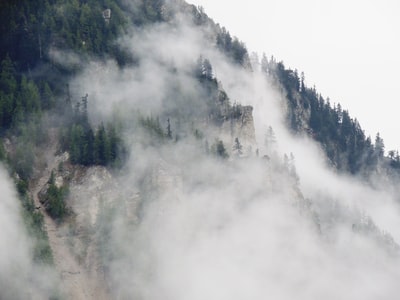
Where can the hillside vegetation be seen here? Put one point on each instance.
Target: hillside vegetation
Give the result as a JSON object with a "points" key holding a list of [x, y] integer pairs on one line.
{"points": [[132, 126]]}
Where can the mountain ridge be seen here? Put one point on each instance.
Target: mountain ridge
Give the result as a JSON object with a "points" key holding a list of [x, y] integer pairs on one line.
{"points": [[154, 155]]}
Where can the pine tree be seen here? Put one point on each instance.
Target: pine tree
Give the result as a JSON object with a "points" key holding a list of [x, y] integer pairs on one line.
{"points": [[8, 83], [198, 69], [85, 118], [237, 148], [77, 136], [8, 90], [48, 99], [218, 148], [169, 132], [207, 69], [379, 146], [87, 157], [56, 206], [114, 142], [101, 147], [2, 151], [264, 64], [29, 96], [270, 139]]}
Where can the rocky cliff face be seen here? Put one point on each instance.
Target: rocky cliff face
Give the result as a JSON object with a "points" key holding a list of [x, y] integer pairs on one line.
{"points": [[240, 124], [230, 121], [94, 245]]}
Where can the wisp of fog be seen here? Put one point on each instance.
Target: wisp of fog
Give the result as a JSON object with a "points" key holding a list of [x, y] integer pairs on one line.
{"points": [[242, 228], [20, 277]]}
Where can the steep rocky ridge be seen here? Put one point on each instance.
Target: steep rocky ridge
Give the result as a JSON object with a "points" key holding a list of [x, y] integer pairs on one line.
{"points": [[106, 206], [76, 274]]}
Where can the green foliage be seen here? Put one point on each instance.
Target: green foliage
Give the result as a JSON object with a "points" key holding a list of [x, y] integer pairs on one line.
{"points": [[153, 127], [20, 98], [145, 11], [77, 143], [8, 82], [28, 98], [29, 134], [203, 69], [48, 100], [23, 160], [54, 199], [232, 47], [29, 28], [3, 154], [8, 90], [86, 147], [341, 136], [34, 223], [102, 149], [56, 204], [20, 112]]}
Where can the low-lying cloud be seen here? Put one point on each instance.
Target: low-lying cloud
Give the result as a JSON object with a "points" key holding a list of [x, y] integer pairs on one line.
{"points": [[20, 277], [236, 229]]}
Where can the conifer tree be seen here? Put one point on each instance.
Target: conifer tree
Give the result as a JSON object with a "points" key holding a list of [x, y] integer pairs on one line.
{"points": [[270, 139], [101, 147], [237, 147], [218, 148], [169, 132], [379, 146]]}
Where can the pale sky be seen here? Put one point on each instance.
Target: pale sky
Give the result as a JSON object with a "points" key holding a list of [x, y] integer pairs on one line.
{"points": [[350, 50]]}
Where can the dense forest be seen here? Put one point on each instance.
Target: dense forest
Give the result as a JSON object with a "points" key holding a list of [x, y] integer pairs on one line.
{"points": [[34, 85], [37, 108], [341, 136]]}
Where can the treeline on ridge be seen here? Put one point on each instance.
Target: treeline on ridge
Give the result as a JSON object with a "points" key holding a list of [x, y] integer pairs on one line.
{"points": [[342, 138]]}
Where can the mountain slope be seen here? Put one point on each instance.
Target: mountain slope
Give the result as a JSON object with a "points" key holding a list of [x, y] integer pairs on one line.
{"points": [[154, 155]]}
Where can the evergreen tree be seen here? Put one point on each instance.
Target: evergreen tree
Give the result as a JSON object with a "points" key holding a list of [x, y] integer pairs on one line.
{"points": [[48, 98], [101, 147], [114, 142], [169, 132], [23, 160], [8, 90], [8, 82], [76, 143], [270, 139], [2, 151], [88, 148], [85, 117], [218, 148], [207, 69], [198, 70], [29, 96], [237, 148], [264, 64], [302, 83], [54, 198], [379, 146]]}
